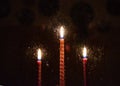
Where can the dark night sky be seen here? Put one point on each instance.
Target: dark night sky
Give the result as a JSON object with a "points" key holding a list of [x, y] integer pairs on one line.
{"points": [[26, 25]]}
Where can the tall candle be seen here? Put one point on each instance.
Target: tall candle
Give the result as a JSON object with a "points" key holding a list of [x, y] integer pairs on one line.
{"points": [[39, 66], [84, 65], [62, 72]]}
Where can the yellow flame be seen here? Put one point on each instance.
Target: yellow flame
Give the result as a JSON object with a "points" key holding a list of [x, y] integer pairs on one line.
{"points": [[84, 52], [39, 53], [61, 32]]}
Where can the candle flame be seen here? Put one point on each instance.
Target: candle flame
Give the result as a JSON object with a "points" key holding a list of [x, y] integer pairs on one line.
{"points": [[84, 52], [61, 32], [39, 53]]}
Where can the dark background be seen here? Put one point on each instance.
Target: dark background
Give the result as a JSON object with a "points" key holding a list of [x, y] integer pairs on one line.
{"points": [[26, 25]]}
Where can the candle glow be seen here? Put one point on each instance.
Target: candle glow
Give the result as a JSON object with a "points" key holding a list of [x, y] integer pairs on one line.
{"points": [[61, 32], [84, 52], [39, 53]]}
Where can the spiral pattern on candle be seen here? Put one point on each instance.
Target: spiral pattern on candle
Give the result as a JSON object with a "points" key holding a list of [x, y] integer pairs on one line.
{"points": [[62, 73]]}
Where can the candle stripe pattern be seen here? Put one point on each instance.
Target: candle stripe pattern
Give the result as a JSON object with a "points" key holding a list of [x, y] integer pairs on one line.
{"points": [[62, 72]]}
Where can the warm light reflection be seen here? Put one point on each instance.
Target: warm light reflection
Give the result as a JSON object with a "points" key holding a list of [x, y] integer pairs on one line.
{"points": [[84, 52], [61, 32], [39, 53]]}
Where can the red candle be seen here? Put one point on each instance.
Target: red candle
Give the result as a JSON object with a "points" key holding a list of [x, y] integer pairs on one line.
{"points": [[39, 66], [62, 72], [84, 65]]}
